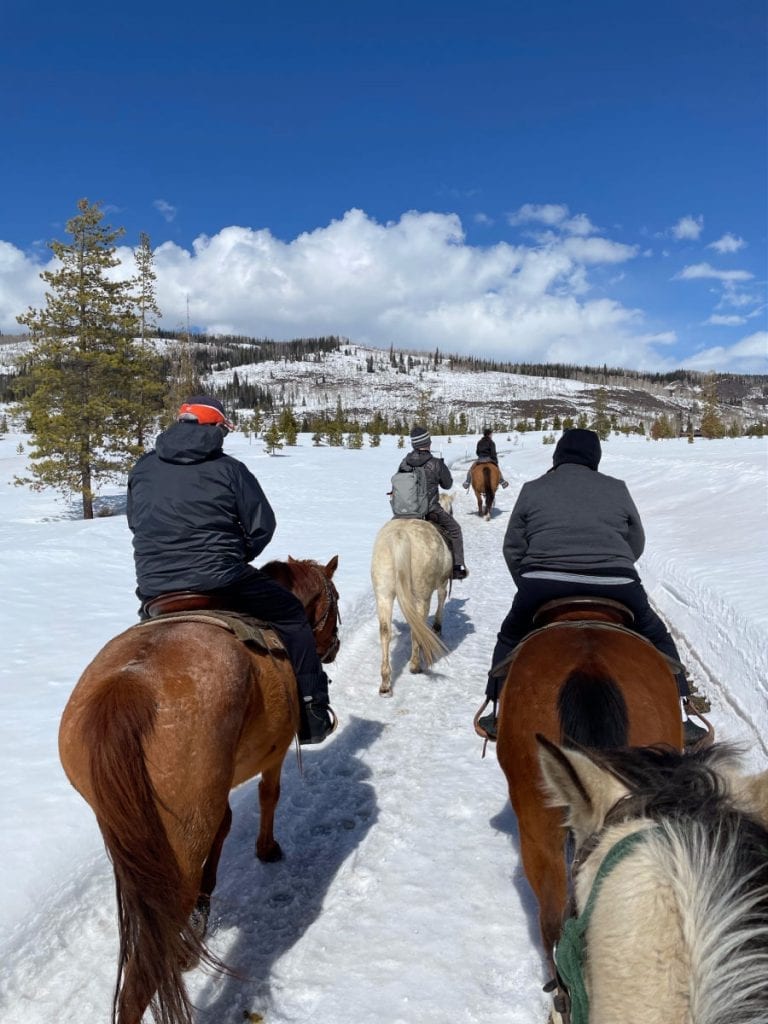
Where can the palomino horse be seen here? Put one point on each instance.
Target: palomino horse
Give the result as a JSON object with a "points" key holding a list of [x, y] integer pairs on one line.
{"points": [[166, 719], [585, 680], [485, 477], [411, 560], [670, 883]]}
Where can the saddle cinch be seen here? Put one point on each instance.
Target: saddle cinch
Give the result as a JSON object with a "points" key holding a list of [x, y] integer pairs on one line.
{"points": [[191, 606]]}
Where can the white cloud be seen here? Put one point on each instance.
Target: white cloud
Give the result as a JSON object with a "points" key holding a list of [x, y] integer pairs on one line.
{"points": [[484, 219], [165, 209], [728, 243], [704, 270], [750, 355], [688, 227], [553, 215], [414, 282], [718, 320]]}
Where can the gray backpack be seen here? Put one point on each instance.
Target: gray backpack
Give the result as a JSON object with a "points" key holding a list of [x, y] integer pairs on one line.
{"points": [[409, 495]]}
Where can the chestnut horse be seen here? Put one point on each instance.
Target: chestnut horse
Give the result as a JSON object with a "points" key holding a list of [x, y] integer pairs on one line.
{"points": [[165, 720], [583, 677], [485, 477], [670, 880]]}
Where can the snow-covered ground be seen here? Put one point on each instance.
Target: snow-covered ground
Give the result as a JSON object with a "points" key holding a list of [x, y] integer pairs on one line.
{"points": [[401, 897]]}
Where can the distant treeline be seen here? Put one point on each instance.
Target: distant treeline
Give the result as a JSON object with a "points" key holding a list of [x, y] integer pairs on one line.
{"points": [[601, 374], [210, 353]]}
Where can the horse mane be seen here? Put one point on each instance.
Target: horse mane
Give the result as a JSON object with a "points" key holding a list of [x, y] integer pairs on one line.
{"points": [[296, 575], [665, 782], [714, 855]]}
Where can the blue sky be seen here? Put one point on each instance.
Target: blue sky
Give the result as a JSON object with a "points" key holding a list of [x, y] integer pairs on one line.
{"points": [[553, 180]]}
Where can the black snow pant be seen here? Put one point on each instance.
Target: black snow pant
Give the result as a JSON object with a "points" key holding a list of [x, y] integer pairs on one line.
{"points": [[445, 522], [533, 593]]}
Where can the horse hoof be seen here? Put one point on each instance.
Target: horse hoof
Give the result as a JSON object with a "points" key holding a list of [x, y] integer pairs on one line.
{"points": [[198, 919], [437, 628], [416, 671], [385, 691], [269, 853]]}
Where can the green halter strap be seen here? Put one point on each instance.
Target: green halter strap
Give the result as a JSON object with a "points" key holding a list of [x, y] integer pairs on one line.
{"points": [[569, 954]]}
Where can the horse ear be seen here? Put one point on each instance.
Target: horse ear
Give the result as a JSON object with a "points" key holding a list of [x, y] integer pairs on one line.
{"points": [[574, 780], [332, 566]]}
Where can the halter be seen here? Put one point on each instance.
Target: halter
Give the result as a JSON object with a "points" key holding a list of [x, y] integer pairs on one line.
{"points": [[332, 606]]}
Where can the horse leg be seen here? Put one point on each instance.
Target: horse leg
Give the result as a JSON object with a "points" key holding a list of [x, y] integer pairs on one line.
{"points": [[267, 848], [199, 918], [542, 848], [442, 593], [385, 638]]}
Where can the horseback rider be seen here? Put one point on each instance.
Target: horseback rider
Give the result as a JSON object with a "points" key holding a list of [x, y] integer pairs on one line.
{"points": [[486, 452], [198, 518], [438, 475], [576, 531]]}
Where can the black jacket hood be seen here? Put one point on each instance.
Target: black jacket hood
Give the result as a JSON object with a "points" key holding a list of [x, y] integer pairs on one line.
{"points": [[186, 443]]}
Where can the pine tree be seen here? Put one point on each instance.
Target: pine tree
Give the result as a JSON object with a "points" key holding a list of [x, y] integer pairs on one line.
{"points": [[80, 410], [288, 425], [601, 424], [711, 424], [273, 439], [147, 380]]}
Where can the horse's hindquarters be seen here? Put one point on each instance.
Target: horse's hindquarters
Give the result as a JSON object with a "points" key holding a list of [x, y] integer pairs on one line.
{"points": [[410, 562], [607, 679]]}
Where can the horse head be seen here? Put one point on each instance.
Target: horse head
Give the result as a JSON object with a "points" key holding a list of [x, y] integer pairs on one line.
{"points": [[313, 584], [675, 844], [446, 501]]}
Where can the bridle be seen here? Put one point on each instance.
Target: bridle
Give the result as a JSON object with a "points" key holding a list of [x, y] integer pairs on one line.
{"points": [[330, 614]]}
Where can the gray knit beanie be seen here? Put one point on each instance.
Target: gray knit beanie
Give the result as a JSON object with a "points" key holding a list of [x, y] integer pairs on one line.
{"points": [[420, 437]]}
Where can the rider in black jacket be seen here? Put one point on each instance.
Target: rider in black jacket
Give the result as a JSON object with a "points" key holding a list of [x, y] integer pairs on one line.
{"points": [[198, 517], [486, 452]]}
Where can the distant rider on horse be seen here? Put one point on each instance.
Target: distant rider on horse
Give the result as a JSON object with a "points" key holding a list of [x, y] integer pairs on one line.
{"points": [[438, 475], [486, 452], [576, 531], [198, 517]]}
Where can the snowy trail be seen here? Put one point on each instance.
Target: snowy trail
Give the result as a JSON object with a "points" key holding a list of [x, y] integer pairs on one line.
{"points": [[401, 898]]}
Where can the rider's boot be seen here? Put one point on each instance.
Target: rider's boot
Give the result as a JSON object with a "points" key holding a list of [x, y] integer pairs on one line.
{"points": [[316, 718]]}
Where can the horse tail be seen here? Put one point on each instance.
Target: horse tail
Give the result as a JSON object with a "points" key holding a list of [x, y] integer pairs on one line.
{"points": [[430, 643], [593, 712], [156, 940], [487, 488]]}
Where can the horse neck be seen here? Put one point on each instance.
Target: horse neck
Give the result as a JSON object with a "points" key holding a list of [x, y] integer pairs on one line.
{"points": [[637, 969], [679, 931]]}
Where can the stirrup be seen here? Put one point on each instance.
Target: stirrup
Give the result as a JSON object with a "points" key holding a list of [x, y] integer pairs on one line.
{"points": [[707, 737]]}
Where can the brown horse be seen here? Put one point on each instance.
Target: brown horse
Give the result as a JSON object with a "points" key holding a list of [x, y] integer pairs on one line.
{"points": [[485, 477], [166, 719], [583, 678]]}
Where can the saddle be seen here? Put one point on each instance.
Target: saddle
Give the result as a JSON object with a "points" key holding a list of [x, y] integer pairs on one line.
{"points": [[190, 606], [580, 608]]}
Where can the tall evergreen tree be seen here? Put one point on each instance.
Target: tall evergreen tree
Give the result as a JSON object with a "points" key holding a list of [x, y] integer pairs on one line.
{"points": [[82, 349], [147, 380], [711, 422]]}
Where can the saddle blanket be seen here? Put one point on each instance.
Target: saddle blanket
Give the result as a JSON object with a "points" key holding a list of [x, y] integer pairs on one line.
{"points": [[252, 632]]}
